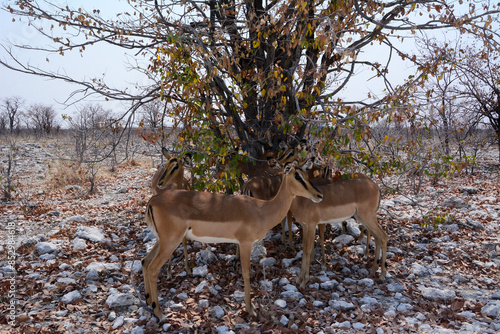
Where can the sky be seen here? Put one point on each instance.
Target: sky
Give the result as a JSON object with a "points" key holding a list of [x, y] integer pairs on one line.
{"points": [[94, 62], [111, 62]]}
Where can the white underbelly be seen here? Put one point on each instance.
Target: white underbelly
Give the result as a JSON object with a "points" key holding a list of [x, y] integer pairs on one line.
{"points": [[209, 240], [335, 220]]}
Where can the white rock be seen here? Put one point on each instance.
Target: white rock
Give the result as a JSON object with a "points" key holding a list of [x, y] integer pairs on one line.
{"points": [[71, 297], [78, 219], [200, 271], [437, 294], [343, 239], [118, 322], [266, 285], [280, 303], [268, 262], [491, 310], [134, 266], [395, 287], [341, 305], [78, 244], [238, 296], [121, 299], [284, 320], [205, 257], [217, 312], [418, 270], [93, 234], [329, 285], [46, 247], [368, 300], [204, 303], [199, 288]]}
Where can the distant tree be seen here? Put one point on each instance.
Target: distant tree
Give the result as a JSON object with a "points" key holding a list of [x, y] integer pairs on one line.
{"points": [[43, 118], [12, 110]]}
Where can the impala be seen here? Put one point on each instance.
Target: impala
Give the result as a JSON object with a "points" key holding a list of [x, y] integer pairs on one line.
{"points": [[170, 176], [351, 196], [218, 218], [265, 187]]}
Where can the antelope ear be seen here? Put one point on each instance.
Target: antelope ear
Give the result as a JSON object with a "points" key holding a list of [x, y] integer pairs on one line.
{"points": [[289, 167], [186, 159], [165, 153], [308, 164], [272, 162]]}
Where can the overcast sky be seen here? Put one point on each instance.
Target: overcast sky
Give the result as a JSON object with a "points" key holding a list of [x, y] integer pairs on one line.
{"points": [[97, 61], [110, 62]]}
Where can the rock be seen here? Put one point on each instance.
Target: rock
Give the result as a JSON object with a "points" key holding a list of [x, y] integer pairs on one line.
{"points": [[217, 312], [201, 286], [368, 300], [238, 296], [78, 219], [343, 239], [455, 202], [204, 303], [135, 266], [93, 234], [284, 320], [267, 262], [200, 271], [367, 282], [395, 287], [46, 248], [341, 305], [266, 285], [329, 285], [117, 300], [469, 190], [280, 303], [92, 275], [71, 297], [78, 244], [258, 251], [118, 322], [419, 270], [437, 294], [205, 257], [491, 310]]}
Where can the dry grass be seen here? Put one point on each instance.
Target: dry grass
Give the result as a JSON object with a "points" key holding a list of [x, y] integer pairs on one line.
{"points": [[66, 173]]}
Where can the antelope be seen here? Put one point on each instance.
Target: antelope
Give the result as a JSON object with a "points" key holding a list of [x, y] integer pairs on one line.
{"points": [[265, 187], [352, 196], [217, 218], [170, 176]]}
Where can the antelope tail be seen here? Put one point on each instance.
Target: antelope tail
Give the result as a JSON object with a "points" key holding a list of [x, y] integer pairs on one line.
{"points": [[150, 220]]}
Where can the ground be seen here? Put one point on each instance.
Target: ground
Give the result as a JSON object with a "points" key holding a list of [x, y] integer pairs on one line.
{"points": [[76, 266]]}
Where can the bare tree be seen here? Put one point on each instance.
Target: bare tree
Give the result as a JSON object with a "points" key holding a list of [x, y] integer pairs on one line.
{"points": [[12, 111], [43, 118]]}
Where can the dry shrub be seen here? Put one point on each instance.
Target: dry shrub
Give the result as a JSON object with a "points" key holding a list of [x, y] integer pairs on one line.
{"points": [[66, 173]]}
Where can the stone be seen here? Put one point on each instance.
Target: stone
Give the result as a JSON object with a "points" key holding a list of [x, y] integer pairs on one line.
{"points": [[341, 305], [71, 297], [117, 300], [437, 294], [280, 303], [46, 248], [491, 310], [93, 234], [200, 271], [217, 312], [343, 239], [78, 244]]}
